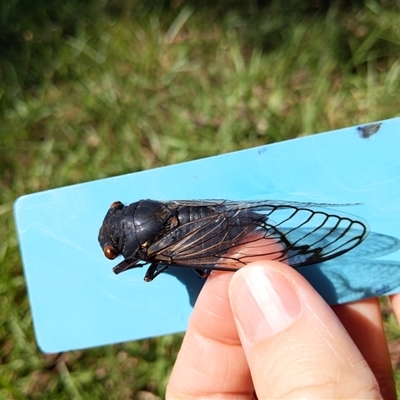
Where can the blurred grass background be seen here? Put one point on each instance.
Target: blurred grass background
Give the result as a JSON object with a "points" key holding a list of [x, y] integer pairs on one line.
{"points": [[101, 88]]}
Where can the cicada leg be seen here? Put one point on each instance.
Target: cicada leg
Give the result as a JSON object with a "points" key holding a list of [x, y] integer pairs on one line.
{"points": [[202, 273], [154, 270]]}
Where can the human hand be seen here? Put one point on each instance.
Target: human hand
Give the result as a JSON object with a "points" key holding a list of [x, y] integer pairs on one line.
{"points": [[264, 332]]}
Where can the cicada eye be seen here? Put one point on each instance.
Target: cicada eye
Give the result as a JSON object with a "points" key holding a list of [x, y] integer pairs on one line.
{"points": [[109, 252], [116, 204]]}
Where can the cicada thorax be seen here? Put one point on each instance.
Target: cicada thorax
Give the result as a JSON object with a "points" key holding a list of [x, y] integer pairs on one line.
{"points": [[152, 219]]}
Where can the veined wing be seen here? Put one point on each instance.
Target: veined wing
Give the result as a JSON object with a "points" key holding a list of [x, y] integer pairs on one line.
{"points": [[308, 233]]}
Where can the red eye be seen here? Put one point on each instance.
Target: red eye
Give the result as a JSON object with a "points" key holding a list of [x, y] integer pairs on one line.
{"points": [[116, 204], [109, 252]]}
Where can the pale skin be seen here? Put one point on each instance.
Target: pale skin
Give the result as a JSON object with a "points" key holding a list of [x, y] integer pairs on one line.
{"points": [[264, 332]]}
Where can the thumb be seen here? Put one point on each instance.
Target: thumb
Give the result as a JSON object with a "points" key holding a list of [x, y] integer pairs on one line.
{"points": [[294, 344]]}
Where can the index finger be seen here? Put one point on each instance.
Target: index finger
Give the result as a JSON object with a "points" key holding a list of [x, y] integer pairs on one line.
{"points": [[211, 360]]}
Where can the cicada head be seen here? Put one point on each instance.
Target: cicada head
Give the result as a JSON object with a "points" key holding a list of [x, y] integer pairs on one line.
{"points": [[117, 234]]}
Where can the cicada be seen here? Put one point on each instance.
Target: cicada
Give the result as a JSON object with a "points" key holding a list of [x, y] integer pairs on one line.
{"points": [[208, 235]]}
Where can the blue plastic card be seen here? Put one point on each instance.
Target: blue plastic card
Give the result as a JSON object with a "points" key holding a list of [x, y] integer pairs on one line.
{"points": [[76, 299]]}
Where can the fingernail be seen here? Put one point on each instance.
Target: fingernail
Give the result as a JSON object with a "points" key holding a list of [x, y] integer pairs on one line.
{"points": [[263, 301]]}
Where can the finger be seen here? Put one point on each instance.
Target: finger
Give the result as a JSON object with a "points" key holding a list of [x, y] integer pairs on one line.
{"points": [[211, 360], [363, 322], [295, 345]]}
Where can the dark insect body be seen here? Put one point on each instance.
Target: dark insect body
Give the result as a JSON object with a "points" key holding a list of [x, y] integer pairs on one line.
{"points": [[224, 235]]}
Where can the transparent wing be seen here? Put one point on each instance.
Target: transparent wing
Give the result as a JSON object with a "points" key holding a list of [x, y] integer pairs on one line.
{"points": [[307, 233]]}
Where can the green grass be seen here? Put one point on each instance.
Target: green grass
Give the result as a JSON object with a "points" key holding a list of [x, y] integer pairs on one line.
{"points": [[142, 91]]}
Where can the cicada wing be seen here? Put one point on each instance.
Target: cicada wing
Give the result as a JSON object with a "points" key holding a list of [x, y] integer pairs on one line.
{"points": [[205, 242], [253, 205], [315, 235], [307, 234]]}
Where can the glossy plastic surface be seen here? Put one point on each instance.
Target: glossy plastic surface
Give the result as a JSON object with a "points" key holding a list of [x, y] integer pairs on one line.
{"points": [[76, 299]]}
